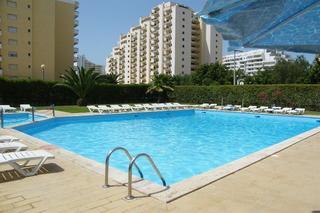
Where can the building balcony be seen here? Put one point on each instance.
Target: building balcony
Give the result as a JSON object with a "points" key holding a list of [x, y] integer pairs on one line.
{"points": [[76, 41], [154, 15], [0, 58], [76, 32], [76, 5], [76, 23], [168, 11], [76, 14], [155, 29], [75, 50], [155, 10]]}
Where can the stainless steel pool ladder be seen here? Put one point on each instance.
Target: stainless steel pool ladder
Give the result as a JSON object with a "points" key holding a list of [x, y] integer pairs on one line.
{"points": [[106, 184], [132, 163]]}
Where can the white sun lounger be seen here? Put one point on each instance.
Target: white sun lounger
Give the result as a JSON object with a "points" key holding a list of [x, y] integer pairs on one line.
{"points": [[181, 106], [300, 111], [25, 107], [138, 107], [93, 108], [286, 110], [158, 106], [12, 147], [7, 108], [14, 158], [212, 106], [8, 138], [260, 109], [228, 107], [171, 106], [148, 106], [127, 107], [204, 105], [104, 108], [116, 108]]}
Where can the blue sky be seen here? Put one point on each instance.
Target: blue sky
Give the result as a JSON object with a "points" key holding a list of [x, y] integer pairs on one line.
{"points": [[102, 22]]}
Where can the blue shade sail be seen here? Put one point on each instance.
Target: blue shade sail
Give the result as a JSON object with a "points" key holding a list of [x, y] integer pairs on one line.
{"points": [[292, 25]]}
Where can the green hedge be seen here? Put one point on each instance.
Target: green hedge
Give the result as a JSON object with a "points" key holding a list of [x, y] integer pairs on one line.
{"points": [[307, 96], [40, 93]]}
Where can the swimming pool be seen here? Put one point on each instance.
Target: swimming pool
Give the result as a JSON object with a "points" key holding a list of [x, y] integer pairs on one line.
{"points": [[182, 143], [13, 119]]}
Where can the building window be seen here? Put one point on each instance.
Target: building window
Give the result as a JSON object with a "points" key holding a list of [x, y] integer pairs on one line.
{"points": [[182, 66], [11, 3], [182, 39], [29, 18], [182, 46], [183, 12], [12, 42], [183, 19], [182, 52], [12, 29], [29, 66], [29, 54], [29, 30], [13, 67], [29, 6], [12, 54], [183, 32], [12, 17], [182, 59], [29, 42], [182, 26]]}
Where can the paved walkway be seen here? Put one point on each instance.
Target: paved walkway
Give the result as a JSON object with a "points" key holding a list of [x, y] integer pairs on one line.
{"points": [[286, 182]]}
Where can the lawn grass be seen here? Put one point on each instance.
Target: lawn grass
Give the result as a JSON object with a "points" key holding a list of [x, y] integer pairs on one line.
{"points": [[312, 113], [69, 109]]}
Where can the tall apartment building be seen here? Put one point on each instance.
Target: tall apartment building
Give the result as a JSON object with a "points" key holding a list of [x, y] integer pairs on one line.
{"points": [[82, 61], [35, 33], [254, 60], [172, 40]]}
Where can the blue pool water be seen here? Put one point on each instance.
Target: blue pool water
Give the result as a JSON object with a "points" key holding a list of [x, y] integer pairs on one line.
{"points": [[13, 119], [182, 143]]}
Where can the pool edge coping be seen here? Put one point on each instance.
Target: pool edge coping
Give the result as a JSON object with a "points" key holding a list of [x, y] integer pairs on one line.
{"points": [[182, 188]]}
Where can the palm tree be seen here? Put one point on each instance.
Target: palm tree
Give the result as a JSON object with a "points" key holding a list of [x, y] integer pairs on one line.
{"points": [[161, 85], [111, 78], [81, 81]]}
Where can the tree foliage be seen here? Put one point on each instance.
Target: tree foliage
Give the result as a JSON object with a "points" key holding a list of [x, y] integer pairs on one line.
{"points": [[111, 78], [161, 85], [212, 74], [81, 81]]}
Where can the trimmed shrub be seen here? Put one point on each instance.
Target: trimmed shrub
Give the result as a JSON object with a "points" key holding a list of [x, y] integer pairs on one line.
{"points": [[41, 93], [291, 95]]}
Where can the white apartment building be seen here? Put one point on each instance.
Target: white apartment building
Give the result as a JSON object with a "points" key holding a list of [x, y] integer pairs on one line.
{"points": [[254, 60], [172, 40], [82, 61]]}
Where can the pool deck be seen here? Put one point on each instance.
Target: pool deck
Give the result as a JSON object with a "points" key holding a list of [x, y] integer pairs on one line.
{"points": [[286, 182]]}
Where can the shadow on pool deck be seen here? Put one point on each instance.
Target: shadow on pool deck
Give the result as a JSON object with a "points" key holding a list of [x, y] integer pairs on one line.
{"points": [[13, 175]]}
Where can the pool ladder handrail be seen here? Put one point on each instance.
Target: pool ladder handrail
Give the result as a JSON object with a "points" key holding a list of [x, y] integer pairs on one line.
{"points": [[130, 172], [108, 160], [132, 163]]}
